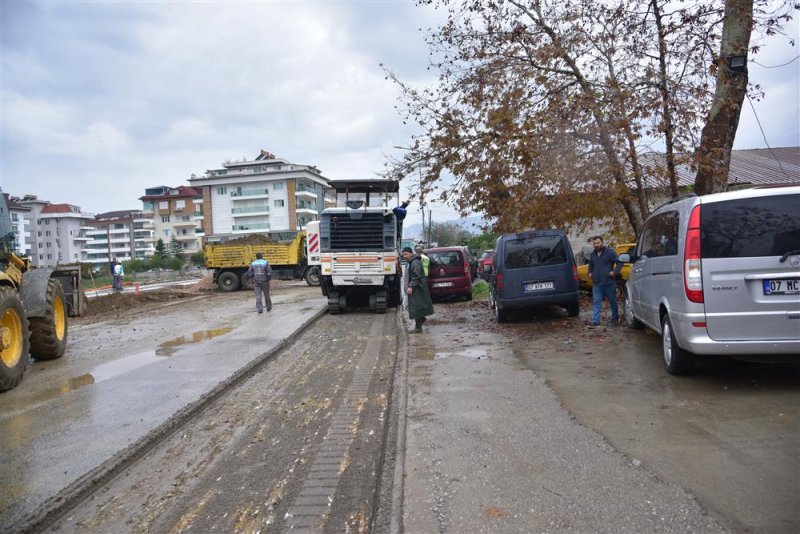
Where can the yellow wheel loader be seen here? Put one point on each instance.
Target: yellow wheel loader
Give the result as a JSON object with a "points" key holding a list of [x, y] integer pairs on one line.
{"points": [[33, 316]]}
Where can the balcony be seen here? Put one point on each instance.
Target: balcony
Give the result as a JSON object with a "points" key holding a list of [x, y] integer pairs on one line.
{"points": [[251, 210], [307, 211], [250, 193], [305, 192], [187, 237], [248, 228], [183, 224]]}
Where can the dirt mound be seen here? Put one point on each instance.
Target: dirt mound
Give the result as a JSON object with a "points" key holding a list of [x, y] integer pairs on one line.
{"points": [[125, 301], [204, 284], [251, 239]]}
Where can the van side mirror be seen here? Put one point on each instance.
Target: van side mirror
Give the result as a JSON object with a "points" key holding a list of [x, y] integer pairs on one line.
{"points": [[626, 258]]}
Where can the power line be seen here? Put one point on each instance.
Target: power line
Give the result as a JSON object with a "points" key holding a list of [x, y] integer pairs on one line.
{"points": [[776, 66], [758, 121]]}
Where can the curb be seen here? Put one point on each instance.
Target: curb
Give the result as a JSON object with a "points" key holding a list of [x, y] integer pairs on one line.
{"points": [[401, 382]]}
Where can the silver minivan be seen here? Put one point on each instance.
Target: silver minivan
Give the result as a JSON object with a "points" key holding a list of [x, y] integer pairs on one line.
{"points": [[720, 274]]}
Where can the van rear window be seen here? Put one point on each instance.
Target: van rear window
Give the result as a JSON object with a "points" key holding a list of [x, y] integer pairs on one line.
{"points": [[750, 227], [446, 258], [534, 251]]}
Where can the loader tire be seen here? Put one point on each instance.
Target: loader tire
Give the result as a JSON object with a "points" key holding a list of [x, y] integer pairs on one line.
{"points": [[13, 338], [49, 333]]}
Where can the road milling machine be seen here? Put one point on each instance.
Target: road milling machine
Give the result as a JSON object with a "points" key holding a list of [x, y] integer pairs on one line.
{"points": [[355, 246]]}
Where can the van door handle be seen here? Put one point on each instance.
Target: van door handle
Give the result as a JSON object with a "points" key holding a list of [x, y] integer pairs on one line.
{"points": [[793, 315], [638, 270]]}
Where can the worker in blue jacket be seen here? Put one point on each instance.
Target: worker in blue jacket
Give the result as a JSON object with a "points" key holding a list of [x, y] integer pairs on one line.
{"points": [[261, 273]]}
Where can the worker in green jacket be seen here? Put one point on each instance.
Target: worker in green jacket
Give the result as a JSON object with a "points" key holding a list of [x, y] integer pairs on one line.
{"points": [[419, 296], [426, 261]]}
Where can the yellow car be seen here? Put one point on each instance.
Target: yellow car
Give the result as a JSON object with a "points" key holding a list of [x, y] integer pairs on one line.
{"points": [[583, 270]]}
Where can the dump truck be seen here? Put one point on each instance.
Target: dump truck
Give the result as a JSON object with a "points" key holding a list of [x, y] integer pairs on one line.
{"points": [[230, 260], [358, 246], [33, 314]]}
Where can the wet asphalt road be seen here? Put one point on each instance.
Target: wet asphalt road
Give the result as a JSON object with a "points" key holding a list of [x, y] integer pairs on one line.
{"points": [[297, 446], [536, 425]]}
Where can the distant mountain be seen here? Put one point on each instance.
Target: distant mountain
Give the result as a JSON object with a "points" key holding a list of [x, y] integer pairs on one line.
{"points": [[470, 224]]}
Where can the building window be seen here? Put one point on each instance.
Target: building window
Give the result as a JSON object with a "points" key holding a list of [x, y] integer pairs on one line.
{"points": [[165, 218], [163, 205], [39, 233], [278, 203], [14, 217], [277, 186], [180, 204], [222, 190], [167, 232]]}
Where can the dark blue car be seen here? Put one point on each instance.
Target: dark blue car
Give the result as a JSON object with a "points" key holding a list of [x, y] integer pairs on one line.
{"points": [[532, 269]]}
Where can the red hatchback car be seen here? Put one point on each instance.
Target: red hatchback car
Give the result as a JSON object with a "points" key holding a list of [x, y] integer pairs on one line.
{"points": [[449, 274]]}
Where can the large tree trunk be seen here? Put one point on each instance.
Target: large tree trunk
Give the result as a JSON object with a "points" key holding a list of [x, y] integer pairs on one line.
{"points": [[666, 103], [714, 153]]}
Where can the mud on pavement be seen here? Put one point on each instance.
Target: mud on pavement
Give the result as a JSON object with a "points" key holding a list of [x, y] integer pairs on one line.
{"points": [[545, 424]]}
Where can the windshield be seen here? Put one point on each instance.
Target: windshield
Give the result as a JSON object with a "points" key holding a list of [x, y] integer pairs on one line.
{"points": [[535, 251]]}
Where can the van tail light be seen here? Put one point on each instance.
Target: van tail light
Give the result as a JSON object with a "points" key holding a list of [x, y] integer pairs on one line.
{"points": [[575, 273], [467, 270], [498, 281], [692, 263]]}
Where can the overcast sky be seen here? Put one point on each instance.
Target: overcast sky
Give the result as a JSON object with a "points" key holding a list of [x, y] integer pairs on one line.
{"points": [[100, 100]]}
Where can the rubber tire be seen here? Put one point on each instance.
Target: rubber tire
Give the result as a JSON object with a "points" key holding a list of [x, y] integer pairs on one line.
{"points": [[13, 360], [228, 281], [573, 309], [312, 276], [246, 282], [500, 315], [49, 333], [627, 311], [676, 360]]}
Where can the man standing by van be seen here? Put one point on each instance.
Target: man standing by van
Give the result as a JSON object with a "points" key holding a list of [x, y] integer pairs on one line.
{"points": [[262, 274], [604, 268]]}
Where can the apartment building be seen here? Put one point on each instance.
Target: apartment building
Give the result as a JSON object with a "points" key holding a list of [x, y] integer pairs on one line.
{"points": [[174, 212], [19, 218], [61, 235], [123, 235], [264, 195]]}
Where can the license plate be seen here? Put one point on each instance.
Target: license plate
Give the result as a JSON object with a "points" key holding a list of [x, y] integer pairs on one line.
{"points": [[443, 284], [782, 287], [538, 286]]}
